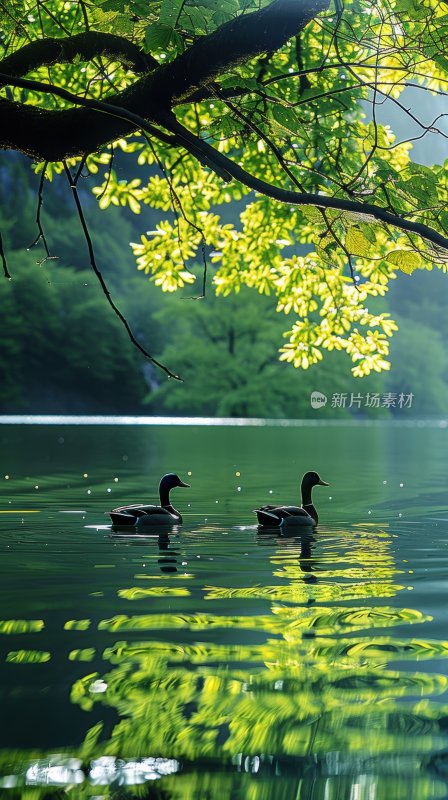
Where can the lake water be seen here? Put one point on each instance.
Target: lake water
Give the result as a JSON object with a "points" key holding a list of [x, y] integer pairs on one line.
{"points": [[216, 661]]}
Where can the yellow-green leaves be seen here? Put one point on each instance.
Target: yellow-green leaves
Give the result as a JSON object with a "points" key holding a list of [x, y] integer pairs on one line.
{"points": [[357, 243], [163, 255], [312, 133], [406, 260], [119, 192]]}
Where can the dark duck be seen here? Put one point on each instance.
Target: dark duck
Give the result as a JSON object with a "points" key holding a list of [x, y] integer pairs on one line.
{"points": [[141, 516], [288, 516]]}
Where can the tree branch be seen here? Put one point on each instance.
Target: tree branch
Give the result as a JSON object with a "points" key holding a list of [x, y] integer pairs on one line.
{"points": [[201, 149], [50, 126], [41, 233], [236, 42], [86, 46], [58, 135], [6, 272], [92, 106], [223, 166]]}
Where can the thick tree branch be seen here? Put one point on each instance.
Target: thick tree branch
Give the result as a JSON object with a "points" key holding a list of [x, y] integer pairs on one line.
{"points": [[86, 46], [49, 126], [98, 105], [236, 42], [228, 169], [57, 135]]}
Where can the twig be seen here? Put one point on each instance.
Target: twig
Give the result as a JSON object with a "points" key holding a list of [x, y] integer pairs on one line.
{"points": [[111, 163], [342, 246], [73, 185], [204, 259], [84, 14], [273, 147], [41, 234], [4, 262]]}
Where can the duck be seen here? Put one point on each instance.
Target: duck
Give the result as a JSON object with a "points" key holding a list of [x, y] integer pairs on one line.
{"points": [[285, 516], [144, 515]]}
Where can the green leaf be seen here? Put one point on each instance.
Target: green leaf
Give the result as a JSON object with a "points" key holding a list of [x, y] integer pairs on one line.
{"points": [[141, 7], [312, 214], [113, 5], [170, 11], [357, 242], [161, 37], [229, 7], [286, 118], [196, 20], [406, 260]]}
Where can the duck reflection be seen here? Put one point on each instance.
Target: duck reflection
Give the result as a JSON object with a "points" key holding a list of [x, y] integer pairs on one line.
{"points": [[302, 542], [168, 557]]}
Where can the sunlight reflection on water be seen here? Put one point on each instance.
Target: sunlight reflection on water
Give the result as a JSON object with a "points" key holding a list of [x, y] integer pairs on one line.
{"points": [[41, 419]]}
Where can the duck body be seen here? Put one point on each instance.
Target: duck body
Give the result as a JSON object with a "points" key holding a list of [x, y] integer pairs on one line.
{"points": [[143, 515], [271, 516]]}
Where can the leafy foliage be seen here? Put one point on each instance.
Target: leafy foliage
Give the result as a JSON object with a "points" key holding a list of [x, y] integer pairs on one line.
{"points": [[302, 118]]}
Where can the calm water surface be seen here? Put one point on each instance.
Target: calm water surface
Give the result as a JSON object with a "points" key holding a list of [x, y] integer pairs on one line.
{"points": [[214, 661]]}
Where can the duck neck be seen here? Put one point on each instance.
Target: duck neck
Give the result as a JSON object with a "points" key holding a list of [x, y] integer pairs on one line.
{"points": [[306, 493], [307, 503], [164, 494]]}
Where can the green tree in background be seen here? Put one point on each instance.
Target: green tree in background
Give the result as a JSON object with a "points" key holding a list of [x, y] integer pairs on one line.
{"points": [[94, 371], [264, 105], [229, 358]]}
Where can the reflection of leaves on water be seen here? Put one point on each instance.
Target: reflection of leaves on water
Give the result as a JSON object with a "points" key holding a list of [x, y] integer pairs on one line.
{"points": [[88, 654], [361, 567], [309, 687], [383, 649], [137, 593], [173, 576], [256, 699], [283, 620], [341, 654], [13, 626], [312, 686], [358, 573], [337, 618], [77, 625], [28, 656], [302, 592]]}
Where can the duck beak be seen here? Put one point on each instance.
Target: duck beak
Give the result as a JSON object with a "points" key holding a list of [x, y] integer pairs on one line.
{"points": [[323, 483], [184, 485]]}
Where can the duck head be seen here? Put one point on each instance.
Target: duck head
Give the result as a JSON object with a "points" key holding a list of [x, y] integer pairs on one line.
{"points": [[309, 480], [171, 480], [168, 482]]}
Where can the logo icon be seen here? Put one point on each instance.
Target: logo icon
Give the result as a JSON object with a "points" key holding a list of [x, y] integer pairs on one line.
{"points": [[318, 400]]}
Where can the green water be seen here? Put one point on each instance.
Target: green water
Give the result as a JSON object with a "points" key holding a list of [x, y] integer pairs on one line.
{"points": [[216, 661]]}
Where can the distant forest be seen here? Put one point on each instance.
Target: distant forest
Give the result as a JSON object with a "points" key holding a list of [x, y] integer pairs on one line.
{"points": [[64, 351]]}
